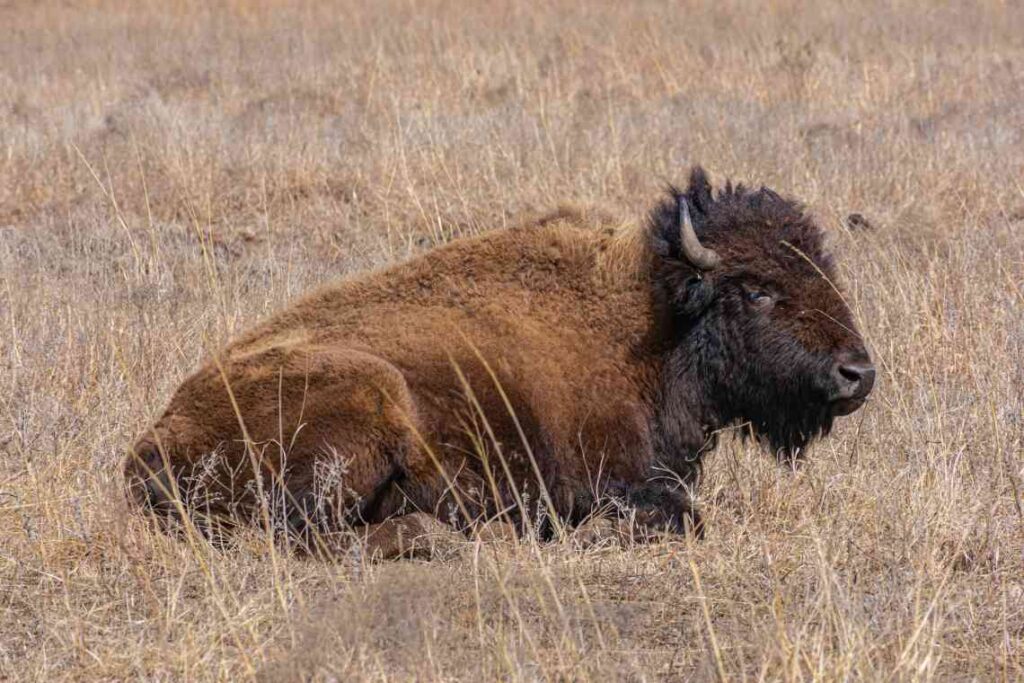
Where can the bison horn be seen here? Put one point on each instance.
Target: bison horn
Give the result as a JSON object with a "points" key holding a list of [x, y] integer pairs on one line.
{"points": [[695, 252]]}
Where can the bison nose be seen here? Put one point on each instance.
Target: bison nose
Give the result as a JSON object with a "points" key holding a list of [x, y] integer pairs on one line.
{"points": [[854, 378]]}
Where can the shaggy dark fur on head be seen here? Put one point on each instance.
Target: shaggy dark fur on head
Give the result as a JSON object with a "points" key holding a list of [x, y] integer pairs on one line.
{"points": [[759, 334]]}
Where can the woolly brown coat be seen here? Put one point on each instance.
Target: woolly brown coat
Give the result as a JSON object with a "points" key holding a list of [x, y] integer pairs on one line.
{"points": [[522, 371]]}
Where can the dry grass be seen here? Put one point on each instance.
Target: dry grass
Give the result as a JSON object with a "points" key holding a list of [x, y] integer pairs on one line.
{"points": [[170, 172]]}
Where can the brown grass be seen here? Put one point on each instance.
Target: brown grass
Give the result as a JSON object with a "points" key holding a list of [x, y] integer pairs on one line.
{"points": [[170, 172]]}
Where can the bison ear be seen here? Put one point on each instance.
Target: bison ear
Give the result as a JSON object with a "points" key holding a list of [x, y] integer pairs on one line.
{"points": [[693, 295], [699, 191]]}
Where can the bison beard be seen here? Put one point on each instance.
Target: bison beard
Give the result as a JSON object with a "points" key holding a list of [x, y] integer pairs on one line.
{"points": [[542, 374]]}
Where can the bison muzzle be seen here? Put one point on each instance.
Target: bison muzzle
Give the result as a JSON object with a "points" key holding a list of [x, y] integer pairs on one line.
{"points": [[542, 374]]}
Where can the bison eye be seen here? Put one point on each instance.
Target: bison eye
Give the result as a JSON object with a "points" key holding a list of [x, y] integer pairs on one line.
{"points": [[759, 298]]}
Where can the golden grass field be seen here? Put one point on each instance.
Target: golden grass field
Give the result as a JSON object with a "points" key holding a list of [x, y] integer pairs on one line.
{"points": [[172, 171]]}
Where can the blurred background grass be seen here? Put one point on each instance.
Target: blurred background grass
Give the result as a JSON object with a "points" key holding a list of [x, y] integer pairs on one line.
{"points": [[172, 171]]}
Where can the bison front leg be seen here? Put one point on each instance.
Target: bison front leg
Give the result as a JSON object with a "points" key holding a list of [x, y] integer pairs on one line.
{"points": [[655, 508], [641, 513]]}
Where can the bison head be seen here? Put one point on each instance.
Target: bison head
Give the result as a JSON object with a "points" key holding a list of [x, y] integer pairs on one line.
{"points": [[761, 326]]}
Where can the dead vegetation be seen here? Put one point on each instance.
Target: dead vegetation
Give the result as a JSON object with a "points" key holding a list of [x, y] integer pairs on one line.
{"points": [[170, 172]]}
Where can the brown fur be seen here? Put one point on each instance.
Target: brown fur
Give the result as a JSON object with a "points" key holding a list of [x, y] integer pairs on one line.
{"points": [[446, 384]]}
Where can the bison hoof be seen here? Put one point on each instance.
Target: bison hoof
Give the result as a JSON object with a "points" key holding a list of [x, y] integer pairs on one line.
{"points": [[687, 522]]}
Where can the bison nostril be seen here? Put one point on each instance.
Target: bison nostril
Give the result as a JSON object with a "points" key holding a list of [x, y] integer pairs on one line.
{"points": [[851, 374], [854, 380]]}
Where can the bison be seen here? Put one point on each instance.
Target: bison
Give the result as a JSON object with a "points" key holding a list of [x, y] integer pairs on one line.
{"points": [[535, 374]]}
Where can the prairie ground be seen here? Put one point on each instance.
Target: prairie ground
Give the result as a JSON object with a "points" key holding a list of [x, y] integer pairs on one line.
{"points": [[172, 171]]}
